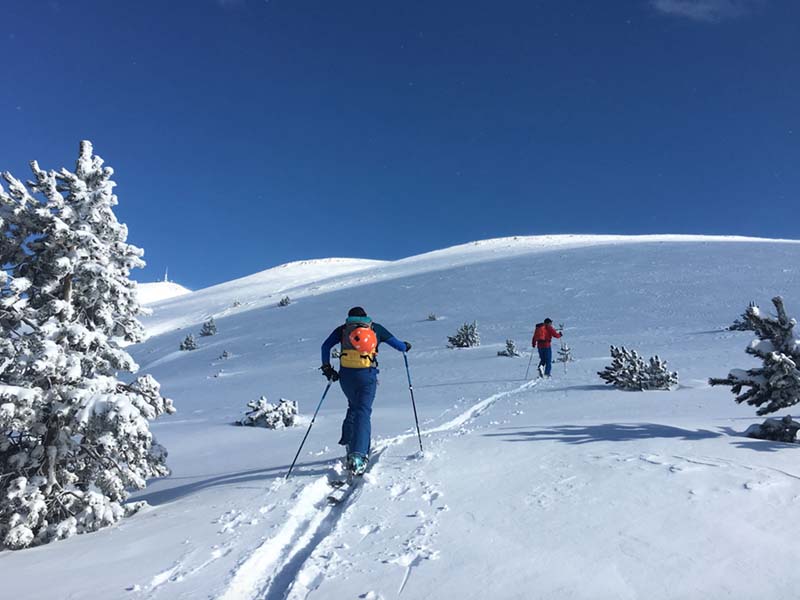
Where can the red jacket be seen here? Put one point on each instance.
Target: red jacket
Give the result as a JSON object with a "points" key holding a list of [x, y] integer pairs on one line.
{"points": [[543, 334]]}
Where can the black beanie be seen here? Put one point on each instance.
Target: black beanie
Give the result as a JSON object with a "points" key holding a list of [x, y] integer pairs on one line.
{"points": [[548, 321], [357, 311]]}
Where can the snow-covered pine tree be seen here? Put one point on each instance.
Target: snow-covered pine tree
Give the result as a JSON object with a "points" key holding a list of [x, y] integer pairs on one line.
{"points": [[225, 355], [188, 343], [262, 413], [73, 437], [743, 322], [629, 371], [432, 317], [466, 337], [777, 430], [776, 383], [209, 328], [285, 301], [564, 354], [510, 351]]}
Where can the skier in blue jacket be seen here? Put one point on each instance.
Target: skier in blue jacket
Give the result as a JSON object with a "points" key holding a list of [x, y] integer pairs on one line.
{"points": [[358, 376]]}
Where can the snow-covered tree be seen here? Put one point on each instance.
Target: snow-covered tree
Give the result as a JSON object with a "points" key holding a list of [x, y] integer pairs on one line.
{"points": [[564, 354], [74, 438], [272, 416], [510, 351], [743, 322], [466, 337], [225, 355], [188, 343], [209, 328], [629, 371], [776, 383], [432, 317], [285, 301]]}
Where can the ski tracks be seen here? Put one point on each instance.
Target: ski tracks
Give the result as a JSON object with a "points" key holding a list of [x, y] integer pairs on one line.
{"points": [[292, 563]]}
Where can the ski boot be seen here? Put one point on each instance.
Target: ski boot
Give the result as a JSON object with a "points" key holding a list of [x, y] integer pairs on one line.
{"points": [[357, 464], [540, 368]]}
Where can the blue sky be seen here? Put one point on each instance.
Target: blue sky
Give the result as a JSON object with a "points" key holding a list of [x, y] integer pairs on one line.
{"points": [[247, 133]]}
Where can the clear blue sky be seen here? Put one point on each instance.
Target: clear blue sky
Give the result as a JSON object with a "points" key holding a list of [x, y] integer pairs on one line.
{"points": [[247, 133]]}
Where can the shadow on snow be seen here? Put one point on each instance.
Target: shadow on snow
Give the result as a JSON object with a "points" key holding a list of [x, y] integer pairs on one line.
{"points": [[609, 432], [166, 495]]}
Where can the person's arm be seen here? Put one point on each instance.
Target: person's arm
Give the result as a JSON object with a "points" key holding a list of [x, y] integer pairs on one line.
{"points": [[334, 338], [554, 333], [385, 336]]}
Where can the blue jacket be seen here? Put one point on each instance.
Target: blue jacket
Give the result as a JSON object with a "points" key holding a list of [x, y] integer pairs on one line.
{"points": [[381, 332]]}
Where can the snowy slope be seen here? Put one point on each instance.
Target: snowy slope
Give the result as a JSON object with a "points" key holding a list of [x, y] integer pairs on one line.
{"points": [[150, 293], [560, 489]]}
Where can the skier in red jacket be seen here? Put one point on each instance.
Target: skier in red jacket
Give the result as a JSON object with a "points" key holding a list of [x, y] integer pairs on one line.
{"points": [[542, 336]]}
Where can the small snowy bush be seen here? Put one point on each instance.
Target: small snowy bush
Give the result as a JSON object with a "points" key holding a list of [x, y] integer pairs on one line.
{"points": [[510, 351], [629, 371], [466, 337], [237, 303], [432, 317], [776, 383], [743, 322], [564, 354], [272, 416], [225, 355], [209, 328], [285, 301], [777, 430], [74, 438], [188, 343]]}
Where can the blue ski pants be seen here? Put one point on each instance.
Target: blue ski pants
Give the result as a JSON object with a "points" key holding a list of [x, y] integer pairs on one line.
{"points": [[359, 385], [546, 359]]}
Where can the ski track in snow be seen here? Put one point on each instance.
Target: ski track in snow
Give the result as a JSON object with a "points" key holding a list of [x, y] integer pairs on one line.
{"points": [[279, 568]]}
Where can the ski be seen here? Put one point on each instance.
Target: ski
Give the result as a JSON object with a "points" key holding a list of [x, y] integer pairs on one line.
{"points": [[341, 489]]}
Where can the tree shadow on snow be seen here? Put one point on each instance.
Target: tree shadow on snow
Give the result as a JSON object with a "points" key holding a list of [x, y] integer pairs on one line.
{"points": [[609, 432], [748, 443], [234, 479]]}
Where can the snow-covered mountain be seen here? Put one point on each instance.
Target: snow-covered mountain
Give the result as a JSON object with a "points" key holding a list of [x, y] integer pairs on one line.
{"points": [[526, 489]]}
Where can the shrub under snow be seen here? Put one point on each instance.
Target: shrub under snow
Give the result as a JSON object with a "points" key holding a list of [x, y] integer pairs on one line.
{"points": [[510, 351], [209, 328], [466, 337], [777, 430], [272, 416], [564, 354], [285, 301], [629, 371], [188, 343], [73, 437]]}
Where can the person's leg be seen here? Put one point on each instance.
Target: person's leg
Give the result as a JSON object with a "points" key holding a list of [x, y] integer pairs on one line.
{"points": [[548, 360], [362, 412], [348, 382], [542, 357]]}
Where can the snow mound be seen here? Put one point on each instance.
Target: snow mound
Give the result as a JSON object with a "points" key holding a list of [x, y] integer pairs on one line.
{"points": [[150, 293]]}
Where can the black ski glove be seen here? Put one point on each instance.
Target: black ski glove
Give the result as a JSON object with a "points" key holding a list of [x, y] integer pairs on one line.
{"points": [[329, 372], [408, 346]]}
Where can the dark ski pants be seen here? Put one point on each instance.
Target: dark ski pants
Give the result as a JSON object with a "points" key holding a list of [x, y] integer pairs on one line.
{"points": [[359, 385], [546, 359]]}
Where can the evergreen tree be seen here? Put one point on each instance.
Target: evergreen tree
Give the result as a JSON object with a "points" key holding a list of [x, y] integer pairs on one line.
{"points": [[743, 322], [73, 437], [564, 353], [432, 317], [466, 337], [188, 343], [209, 328], [776, 384], [510, 351], [285, 301], [629, 371]]}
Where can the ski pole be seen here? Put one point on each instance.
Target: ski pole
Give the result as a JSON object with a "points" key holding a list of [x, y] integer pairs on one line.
{"points": [[530, 360], [305, 437], [414, 404]]}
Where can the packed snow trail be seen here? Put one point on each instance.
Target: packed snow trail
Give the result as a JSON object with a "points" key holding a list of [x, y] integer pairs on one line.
{"points": [[270, 570]]}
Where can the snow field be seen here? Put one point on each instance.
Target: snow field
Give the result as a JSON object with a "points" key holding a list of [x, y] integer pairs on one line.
{"points": [[558, 489]]}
